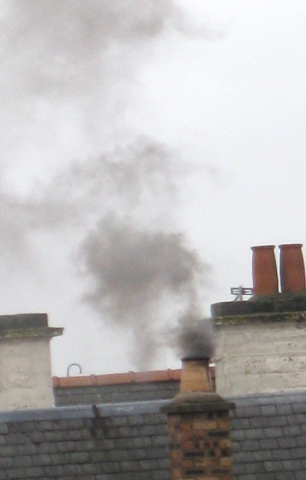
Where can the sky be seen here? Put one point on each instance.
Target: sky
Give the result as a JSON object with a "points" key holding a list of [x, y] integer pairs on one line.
{"points": [[143, 152]]}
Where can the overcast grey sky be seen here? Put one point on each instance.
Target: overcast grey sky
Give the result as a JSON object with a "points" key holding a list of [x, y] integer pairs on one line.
{"points": [[177, 126]]}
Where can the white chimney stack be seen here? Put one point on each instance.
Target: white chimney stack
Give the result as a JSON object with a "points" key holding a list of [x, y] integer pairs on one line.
{"points": [[25, 366]]}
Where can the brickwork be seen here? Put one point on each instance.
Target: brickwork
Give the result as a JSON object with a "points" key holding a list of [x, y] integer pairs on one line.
{"points": [[200, 446]]}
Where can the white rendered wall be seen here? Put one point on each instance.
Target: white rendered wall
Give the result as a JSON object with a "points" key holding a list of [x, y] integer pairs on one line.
{"points": [[25, 374], [262, 358]]}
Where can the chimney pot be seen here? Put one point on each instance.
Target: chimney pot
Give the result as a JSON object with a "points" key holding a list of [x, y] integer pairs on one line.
{"points": [[265, 279], [195, 376], [292, 269]]}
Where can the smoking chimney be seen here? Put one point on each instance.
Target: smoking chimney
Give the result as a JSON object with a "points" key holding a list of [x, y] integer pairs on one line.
{"points": [[199, 426]]}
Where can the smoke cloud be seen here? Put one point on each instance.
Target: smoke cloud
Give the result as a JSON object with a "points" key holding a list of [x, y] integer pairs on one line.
{"points": [[193, 337], [139, 270], [61, 47], [123, 178], [134, 274]]}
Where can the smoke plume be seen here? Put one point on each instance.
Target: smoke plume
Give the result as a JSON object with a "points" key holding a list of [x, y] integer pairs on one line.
{"points": [[134, 274], [74, 61], [60, 47], [193, 337], [139, 270]]}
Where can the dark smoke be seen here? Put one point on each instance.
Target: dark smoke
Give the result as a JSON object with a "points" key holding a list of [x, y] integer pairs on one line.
{"points": [[140, 274], [193, 337], [134, 273], [123, 177], [80, 55]]}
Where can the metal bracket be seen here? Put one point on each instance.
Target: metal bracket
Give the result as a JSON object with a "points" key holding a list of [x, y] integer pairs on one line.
{"points": [[240, 291]]}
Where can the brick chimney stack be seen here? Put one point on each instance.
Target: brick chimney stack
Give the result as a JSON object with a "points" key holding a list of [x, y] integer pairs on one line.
{"points": [[199, 427]]}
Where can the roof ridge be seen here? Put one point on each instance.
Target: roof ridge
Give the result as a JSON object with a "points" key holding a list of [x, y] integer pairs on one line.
{"points": [[167, 375]]}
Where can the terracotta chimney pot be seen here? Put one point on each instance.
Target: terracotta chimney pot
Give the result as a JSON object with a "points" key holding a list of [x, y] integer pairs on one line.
{"points": [[292, 269], [265, 279], [195, 376]]}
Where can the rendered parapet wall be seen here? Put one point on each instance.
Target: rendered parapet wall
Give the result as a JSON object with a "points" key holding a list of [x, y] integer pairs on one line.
{"points": [[25, 368], [261, 344]]}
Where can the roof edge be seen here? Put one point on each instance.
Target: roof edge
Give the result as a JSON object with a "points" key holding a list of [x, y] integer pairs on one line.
{"points": [[117, 378]]}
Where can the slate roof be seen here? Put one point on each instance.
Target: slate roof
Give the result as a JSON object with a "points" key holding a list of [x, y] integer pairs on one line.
{"points": [[108, 442], [129, 440], [119, 387], [269, 437]]}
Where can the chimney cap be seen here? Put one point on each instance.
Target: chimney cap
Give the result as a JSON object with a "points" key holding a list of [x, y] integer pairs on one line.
{"points": [[196, 358], [290, 245], [260, 247]]}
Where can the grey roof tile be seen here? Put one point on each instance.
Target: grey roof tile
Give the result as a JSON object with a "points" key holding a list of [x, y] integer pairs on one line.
{"points": [[282, 454], [299, 407], [297, 453], [299, 475], [16, 473], [239, 423], [251, 445], [292, 465], [253, 467], [292, 430], [236, 447], [283, 408], [297, 419], [161, 475], [285, 475], [287, 442], [268, 443], [273, 432], [254, 433], [262, 455], [273, 466], [279, 432], [248, 477], [268, 410], [279, 420], [34, 472], [258, 422]]}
